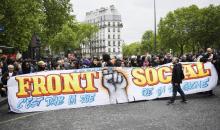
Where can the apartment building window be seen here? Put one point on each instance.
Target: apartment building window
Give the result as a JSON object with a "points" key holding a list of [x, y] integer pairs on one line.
{"points": [[109, 49], [118, 29], [113, 24], [118, 36], [109, 36], [109, 43], [113, 49], [109, 30], [109, 24], [113, 36], [119, 44], [113, 29], [113, 43]]}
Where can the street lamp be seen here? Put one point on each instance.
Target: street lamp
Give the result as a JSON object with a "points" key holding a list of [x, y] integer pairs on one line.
{"points": [[155, 28]]}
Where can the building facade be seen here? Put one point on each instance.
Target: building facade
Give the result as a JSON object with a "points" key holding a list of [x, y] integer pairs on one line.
{"points": [[108, 38]]}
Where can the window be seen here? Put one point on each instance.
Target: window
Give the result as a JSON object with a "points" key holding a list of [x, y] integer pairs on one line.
{"points": [[113, 24], [113, 43], [118, 29], [109, 30], [109, 43], [109, 37], [119, 44], [109, 49], [113, 29], [113, 49], [109, 24], [118, 36], [113, 36]]}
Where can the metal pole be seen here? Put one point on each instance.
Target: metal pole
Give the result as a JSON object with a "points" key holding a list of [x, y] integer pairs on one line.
{"points": [[155, 27]]}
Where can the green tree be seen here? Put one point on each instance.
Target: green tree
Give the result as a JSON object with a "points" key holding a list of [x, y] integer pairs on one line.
{"points": [[72, 35], [132, 49], [173, 30], [87, 32], [208, 31], [190, 28], [20, 18], [64, 40], [57, 13], [147, 42]]}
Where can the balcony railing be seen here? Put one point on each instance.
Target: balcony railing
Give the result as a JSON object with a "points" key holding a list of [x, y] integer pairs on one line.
{"points": [[107, 25]]}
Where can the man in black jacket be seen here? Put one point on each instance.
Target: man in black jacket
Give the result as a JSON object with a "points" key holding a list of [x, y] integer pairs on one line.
{"points": [[177, 77]]}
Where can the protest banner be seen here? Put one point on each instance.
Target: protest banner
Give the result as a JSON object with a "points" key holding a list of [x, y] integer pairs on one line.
{"points": [[63, 89]]}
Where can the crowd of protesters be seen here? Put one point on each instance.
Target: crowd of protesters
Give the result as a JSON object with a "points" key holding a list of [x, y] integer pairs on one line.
{"points": [[10, 67]]}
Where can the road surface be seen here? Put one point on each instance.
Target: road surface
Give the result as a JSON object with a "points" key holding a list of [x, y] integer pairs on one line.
{"points": [[202, 112]]}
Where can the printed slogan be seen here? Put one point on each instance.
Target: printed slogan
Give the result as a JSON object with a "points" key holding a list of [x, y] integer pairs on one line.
{"points": [[52, 90]]}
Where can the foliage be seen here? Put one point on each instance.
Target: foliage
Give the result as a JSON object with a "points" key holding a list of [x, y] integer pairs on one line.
{"points": [[147, 42], [208, 31], [131, 49], [190, 28], [71, 35], [51, 20], [183, 30], [57, 14], [20, 19]]}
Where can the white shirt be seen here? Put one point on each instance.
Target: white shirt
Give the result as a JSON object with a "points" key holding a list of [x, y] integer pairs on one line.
{"points": [[10, 74]]}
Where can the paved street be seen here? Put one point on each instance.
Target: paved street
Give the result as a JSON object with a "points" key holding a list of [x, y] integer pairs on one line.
{"points": [[201, 113]]}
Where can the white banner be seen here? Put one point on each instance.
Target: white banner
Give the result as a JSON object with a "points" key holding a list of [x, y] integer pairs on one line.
{"points": [[51, 90]]}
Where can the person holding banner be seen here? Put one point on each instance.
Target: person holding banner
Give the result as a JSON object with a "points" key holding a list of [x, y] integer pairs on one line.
{"points": [[95, 63], [41, 66], [177, 77], [210, 57], [5, 77], [106, 61]]}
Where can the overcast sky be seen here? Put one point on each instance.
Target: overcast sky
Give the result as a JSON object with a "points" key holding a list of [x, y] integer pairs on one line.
{"points": [[137, 15]]}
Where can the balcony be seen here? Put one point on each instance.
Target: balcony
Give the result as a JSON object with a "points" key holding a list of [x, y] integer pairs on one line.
{"points": [[114, 26], [120, 25], [102, 26]]}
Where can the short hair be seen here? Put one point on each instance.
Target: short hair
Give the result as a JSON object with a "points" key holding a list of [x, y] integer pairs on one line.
{"points": [[10, 66], [106, 57], [209, 49], [176, 59], [41, 63]]}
